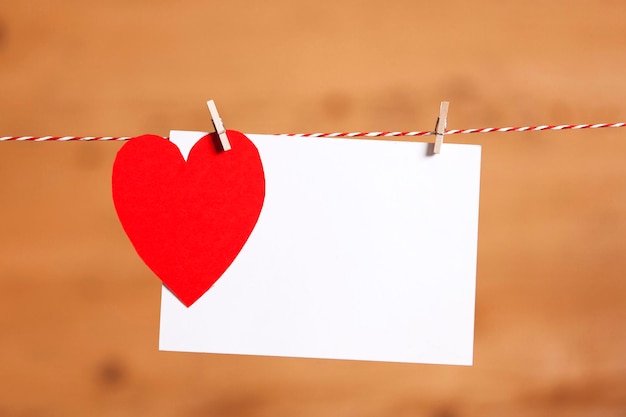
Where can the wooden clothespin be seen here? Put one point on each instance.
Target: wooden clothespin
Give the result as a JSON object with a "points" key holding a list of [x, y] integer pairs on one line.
{"points": [[440, 127], [219, 126]]}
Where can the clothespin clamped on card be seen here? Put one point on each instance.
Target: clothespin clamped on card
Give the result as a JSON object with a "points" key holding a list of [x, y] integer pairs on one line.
{"points": [[440, 127], [219, 126]]}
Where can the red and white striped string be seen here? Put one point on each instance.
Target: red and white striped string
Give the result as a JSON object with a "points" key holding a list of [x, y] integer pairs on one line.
{"points": [[61, 138], [454, 131], [340, 134]]}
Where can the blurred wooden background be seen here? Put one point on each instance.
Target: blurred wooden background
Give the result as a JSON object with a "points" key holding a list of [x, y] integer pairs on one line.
{"points": [[79, 311]]}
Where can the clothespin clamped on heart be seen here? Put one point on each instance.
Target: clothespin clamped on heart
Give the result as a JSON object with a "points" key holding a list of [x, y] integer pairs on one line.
{"points": [[219, 126]]}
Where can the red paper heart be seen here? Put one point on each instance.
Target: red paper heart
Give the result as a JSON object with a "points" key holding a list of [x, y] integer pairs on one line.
{"points": [[189, 220]]}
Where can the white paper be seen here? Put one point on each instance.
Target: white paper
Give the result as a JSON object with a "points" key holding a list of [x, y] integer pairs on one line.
{"points": [[364, 250]]}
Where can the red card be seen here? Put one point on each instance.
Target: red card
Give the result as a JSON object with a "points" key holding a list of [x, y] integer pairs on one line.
{"points": [[188, 220]]}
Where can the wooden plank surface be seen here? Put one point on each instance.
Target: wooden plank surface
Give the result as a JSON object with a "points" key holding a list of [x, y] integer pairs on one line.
{"points": [[79, 311]]}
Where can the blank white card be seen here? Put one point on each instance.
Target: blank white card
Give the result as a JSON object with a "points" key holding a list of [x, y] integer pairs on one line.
{"points": [[364, 250]]}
